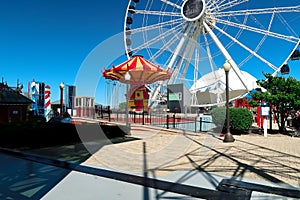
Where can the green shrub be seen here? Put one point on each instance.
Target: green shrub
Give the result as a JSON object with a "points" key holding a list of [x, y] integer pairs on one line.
{"points": [[240, 118]]}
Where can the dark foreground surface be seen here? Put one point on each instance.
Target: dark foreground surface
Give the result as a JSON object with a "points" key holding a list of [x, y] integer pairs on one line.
{"points": [[40, 135]]}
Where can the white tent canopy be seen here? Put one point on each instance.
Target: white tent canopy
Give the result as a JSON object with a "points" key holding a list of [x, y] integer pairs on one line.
{"points": [[211, 88]]}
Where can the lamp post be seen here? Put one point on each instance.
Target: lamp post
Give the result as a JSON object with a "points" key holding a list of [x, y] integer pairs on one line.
{"points": [[228, 136], [127, 79], [61, 86]]}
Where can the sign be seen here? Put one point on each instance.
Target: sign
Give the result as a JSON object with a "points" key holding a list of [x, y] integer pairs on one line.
{"points": [[265, 111], [175, 96]]}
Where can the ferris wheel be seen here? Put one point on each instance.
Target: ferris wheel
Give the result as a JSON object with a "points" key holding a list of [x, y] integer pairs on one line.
{"points": [[194, 38]]}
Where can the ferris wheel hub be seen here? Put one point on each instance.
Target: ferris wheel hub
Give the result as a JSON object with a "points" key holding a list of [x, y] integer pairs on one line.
{"points": [[192, 10]]}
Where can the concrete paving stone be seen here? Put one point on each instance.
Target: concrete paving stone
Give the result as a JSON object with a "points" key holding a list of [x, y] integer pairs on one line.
{"points": [[272, 158]]}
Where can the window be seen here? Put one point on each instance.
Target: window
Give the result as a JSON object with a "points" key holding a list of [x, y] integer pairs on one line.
{"points": [[15, 112]]}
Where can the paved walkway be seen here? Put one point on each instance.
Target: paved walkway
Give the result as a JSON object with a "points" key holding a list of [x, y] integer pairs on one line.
{"points": [[156, 164], [274, 158]]}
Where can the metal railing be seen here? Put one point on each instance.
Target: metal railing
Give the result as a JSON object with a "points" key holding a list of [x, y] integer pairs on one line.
{"points": [[195, 123]]}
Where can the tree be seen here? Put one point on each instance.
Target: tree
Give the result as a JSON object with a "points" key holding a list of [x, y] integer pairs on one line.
{"points": [[122, 105], [282, 93]]}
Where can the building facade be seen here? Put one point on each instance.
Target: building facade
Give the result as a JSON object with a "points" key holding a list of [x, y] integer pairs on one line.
{"points": [[13, 105], [178, 98], [84, 106]]}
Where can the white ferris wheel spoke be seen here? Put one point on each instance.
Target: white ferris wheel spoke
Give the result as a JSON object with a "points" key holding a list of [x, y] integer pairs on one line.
{"points": [[166, 47], [260, 11], [186, 59], [197, 58], [209, 56], [156, 39], [260, 31], [230, 4], [226, 55], [171, 4], [214, 3], [156, 26], [289, 28], [260, 43], [246, 48], [158, 13], [173, 58]]}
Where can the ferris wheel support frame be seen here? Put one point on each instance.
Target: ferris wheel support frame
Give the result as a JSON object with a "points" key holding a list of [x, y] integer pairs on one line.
{"points": [[171, 63], [226, 55], [175, 55]]}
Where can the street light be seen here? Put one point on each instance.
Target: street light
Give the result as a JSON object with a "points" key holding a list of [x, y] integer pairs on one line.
{"points": [[228, 136], [61, 86], [127, 79]]}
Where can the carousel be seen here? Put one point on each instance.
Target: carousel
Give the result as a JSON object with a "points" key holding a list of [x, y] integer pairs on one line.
{"points": [[138, 73]]}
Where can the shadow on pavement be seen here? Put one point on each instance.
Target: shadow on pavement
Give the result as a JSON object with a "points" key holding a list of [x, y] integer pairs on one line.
{"points": [[268, 164], [23, 178]]}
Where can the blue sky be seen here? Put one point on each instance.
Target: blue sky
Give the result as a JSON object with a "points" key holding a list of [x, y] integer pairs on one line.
{"points": [[57, 40], [48, 40]]}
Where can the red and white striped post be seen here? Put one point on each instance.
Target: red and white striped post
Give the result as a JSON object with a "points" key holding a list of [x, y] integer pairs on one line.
{"points": [[47, 102]]}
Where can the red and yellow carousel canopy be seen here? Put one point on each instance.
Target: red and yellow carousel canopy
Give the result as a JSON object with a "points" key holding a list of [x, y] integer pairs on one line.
{"points": [[141, 71]]}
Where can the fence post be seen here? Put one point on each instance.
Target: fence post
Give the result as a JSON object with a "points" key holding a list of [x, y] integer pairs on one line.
{"points": [[195, 124], [174, 121], [167, 121], [200, 124], [143, 122], [108, 109]]}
